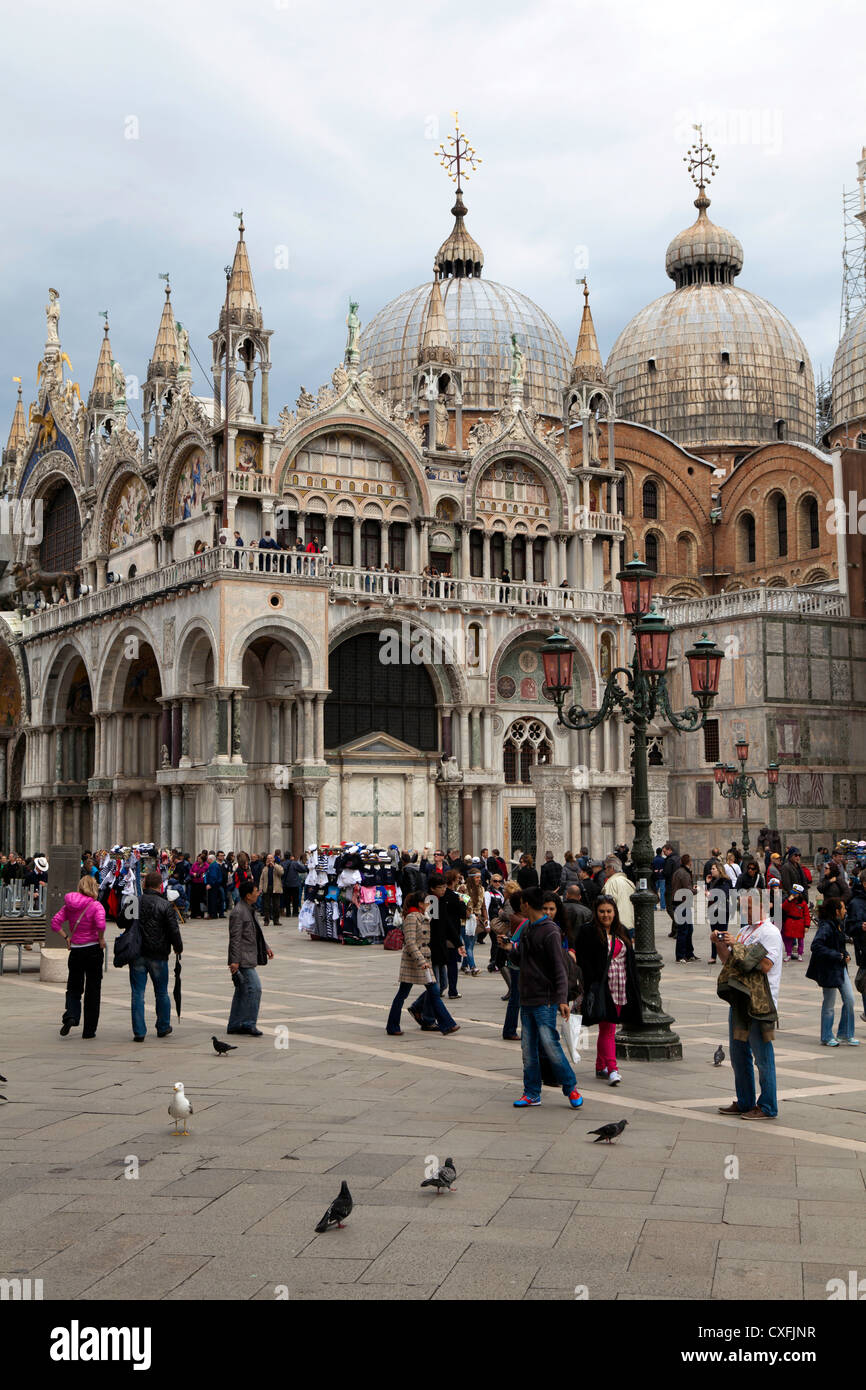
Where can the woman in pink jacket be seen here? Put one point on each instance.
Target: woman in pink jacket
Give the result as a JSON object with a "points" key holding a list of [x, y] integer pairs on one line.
{"points": [[81, 921]]}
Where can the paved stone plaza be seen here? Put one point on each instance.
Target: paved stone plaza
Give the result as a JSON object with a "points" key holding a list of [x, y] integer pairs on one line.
{"points": [[538, 1209]]}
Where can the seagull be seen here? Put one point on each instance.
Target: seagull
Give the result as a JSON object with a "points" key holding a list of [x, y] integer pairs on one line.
{"points": [[718, 1056], [443, 1177], [179, 1108], [340, 1208], [609, 1132], [221, 1048]]}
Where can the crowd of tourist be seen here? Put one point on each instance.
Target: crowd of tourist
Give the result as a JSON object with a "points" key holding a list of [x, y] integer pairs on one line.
{"points": [[558, 936]]}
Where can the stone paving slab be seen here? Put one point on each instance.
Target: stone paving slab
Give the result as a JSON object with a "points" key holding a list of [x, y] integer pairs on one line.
{"points": [[538, 1209]]}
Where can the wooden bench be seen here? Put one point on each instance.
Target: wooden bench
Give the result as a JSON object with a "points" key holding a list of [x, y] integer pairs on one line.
{"points": [[20, 933]]}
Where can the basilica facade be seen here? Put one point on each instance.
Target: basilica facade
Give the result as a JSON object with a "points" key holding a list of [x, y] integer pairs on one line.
{"points": [[469, 483]]}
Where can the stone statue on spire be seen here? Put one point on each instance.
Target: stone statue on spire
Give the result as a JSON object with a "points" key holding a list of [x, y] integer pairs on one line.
{"points": [[52, 316], [353, 323]]}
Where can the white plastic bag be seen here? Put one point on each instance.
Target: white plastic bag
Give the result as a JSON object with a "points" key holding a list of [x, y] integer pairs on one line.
{"points": [[571, 1036]]}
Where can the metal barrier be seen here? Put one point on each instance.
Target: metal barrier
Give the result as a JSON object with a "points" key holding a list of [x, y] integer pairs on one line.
{"points": [[18, 901]]}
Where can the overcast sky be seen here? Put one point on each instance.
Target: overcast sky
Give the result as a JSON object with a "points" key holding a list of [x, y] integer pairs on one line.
{"points": [[320, 121]]}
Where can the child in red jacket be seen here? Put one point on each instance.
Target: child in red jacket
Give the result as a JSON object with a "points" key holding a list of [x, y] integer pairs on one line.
{"points": [[795, 920]]}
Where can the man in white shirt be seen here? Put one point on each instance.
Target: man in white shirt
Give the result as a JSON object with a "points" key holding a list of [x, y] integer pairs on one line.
{"points": [[620, 888], [755, 1051]]}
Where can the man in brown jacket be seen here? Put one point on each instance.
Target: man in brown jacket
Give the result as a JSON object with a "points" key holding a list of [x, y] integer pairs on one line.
{"points": [[247, 950], [271, 889]]}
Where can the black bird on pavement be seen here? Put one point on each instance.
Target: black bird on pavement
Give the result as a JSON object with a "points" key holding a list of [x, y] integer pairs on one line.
{"points": [[609, 1132], [221, 1048], [443, 1177], [718, 1056], [3, 1079], [340, 1208]]}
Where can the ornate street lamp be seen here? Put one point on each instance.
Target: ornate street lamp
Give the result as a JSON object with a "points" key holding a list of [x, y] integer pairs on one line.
{"points": [[640, 693], [739, 785]]}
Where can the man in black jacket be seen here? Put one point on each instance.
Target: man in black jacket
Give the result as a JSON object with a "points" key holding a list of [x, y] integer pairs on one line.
{"points": [[543, 995], [550, 874], [672, 863], [160, 935]]}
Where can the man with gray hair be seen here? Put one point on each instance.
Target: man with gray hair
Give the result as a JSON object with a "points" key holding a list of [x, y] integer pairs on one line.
{"points": [[620, 888]]}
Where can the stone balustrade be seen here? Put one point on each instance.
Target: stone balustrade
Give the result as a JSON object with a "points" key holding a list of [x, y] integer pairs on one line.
{"points": [[688, 612]]}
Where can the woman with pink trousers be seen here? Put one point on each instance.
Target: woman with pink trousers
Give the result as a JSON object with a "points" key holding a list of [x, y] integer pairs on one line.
{"points": [[81, 921]]}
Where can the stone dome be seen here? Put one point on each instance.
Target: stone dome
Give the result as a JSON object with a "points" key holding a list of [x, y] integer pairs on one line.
{"points": [[482, 316], [711, 362], [849, 373]]}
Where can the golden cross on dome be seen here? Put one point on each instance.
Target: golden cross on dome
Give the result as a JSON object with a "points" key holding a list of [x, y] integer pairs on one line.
{"points": [[701, 161], [461, 159]]}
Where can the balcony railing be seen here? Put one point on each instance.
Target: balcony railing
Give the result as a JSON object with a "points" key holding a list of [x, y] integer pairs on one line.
{"points": [[585, 519], [685, 612], [256, 483], [346, 583]]}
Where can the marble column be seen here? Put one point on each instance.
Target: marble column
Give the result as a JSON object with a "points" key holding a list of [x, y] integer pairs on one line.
{"points": [[184, 733], [464, 553], [225, 815], [119, 802], [575, 828], [319, 711], [487, 816], [588, 563], [147, 831], [58, 821], [236, 702], [164, 817], [356, 553], [596, 848], [345, 803], [76, 821], [275, 822], [408, 812], [311, 817], [44, 826], [466, 836], [452, 818], [619, 814], [275, 707], [465, 748], [432, 816], [165, 735], [177, 818]]}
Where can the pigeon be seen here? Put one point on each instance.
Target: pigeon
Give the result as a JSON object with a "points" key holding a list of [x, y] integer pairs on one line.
{"points": [[2, 1078], [718, 1056], [609, 1132], [443, 1178], [179, 1108], [221, 1048], [340, 1208]]}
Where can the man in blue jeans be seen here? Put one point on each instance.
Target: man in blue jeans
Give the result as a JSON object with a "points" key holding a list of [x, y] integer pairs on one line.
{"points": [[756, 1050], [160, 934], [543, 997]]}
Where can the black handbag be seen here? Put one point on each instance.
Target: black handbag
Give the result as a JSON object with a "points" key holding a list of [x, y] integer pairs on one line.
{"points": [[595, 998], [261, 947]]}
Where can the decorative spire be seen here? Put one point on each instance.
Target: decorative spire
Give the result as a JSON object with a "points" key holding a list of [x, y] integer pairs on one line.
{"points": [[243, 304], [459, 255], [18, 430], [166, 358], [436, 345], [102, 392], [703, 254], [588, 365]]}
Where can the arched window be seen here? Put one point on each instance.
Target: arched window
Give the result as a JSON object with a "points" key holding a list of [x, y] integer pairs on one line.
{"points": [[316, 528], [746, 539], [343, 540], [650, 500], [474, 644], [518, 558], [620, 496], [605, 655], [476, 554], [685, 555], [368, 696], [782, 525], [497, 554], [651, 550], [397, 546], [60, 551], [527, 742], [371, 545], [287, 526], [808, 524], [539, 559]]}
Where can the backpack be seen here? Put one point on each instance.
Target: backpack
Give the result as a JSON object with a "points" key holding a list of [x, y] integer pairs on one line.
{"points": [[128, 945]]}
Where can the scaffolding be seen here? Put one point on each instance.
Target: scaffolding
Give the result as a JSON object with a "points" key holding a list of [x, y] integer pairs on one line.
{"points": [[854, 247]]}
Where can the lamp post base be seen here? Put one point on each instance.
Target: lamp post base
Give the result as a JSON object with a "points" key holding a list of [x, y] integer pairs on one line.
{"points": [[652, 1041]]}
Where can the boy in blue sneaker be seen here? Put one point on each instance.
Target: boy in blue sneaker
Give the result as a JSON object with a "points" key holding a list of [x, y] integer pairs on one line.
{"points": [[543, 996]]}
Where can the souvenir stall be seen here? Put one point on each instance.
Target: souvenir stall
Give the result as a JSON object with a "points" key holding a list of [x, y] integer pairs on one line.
{"points": [[350, 894]]}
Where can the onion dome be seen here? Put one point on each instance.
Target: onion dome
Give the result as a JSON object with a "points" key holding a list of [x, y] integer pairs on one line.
{"points": [[459, 255], [849, 374], [704, 253]]}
